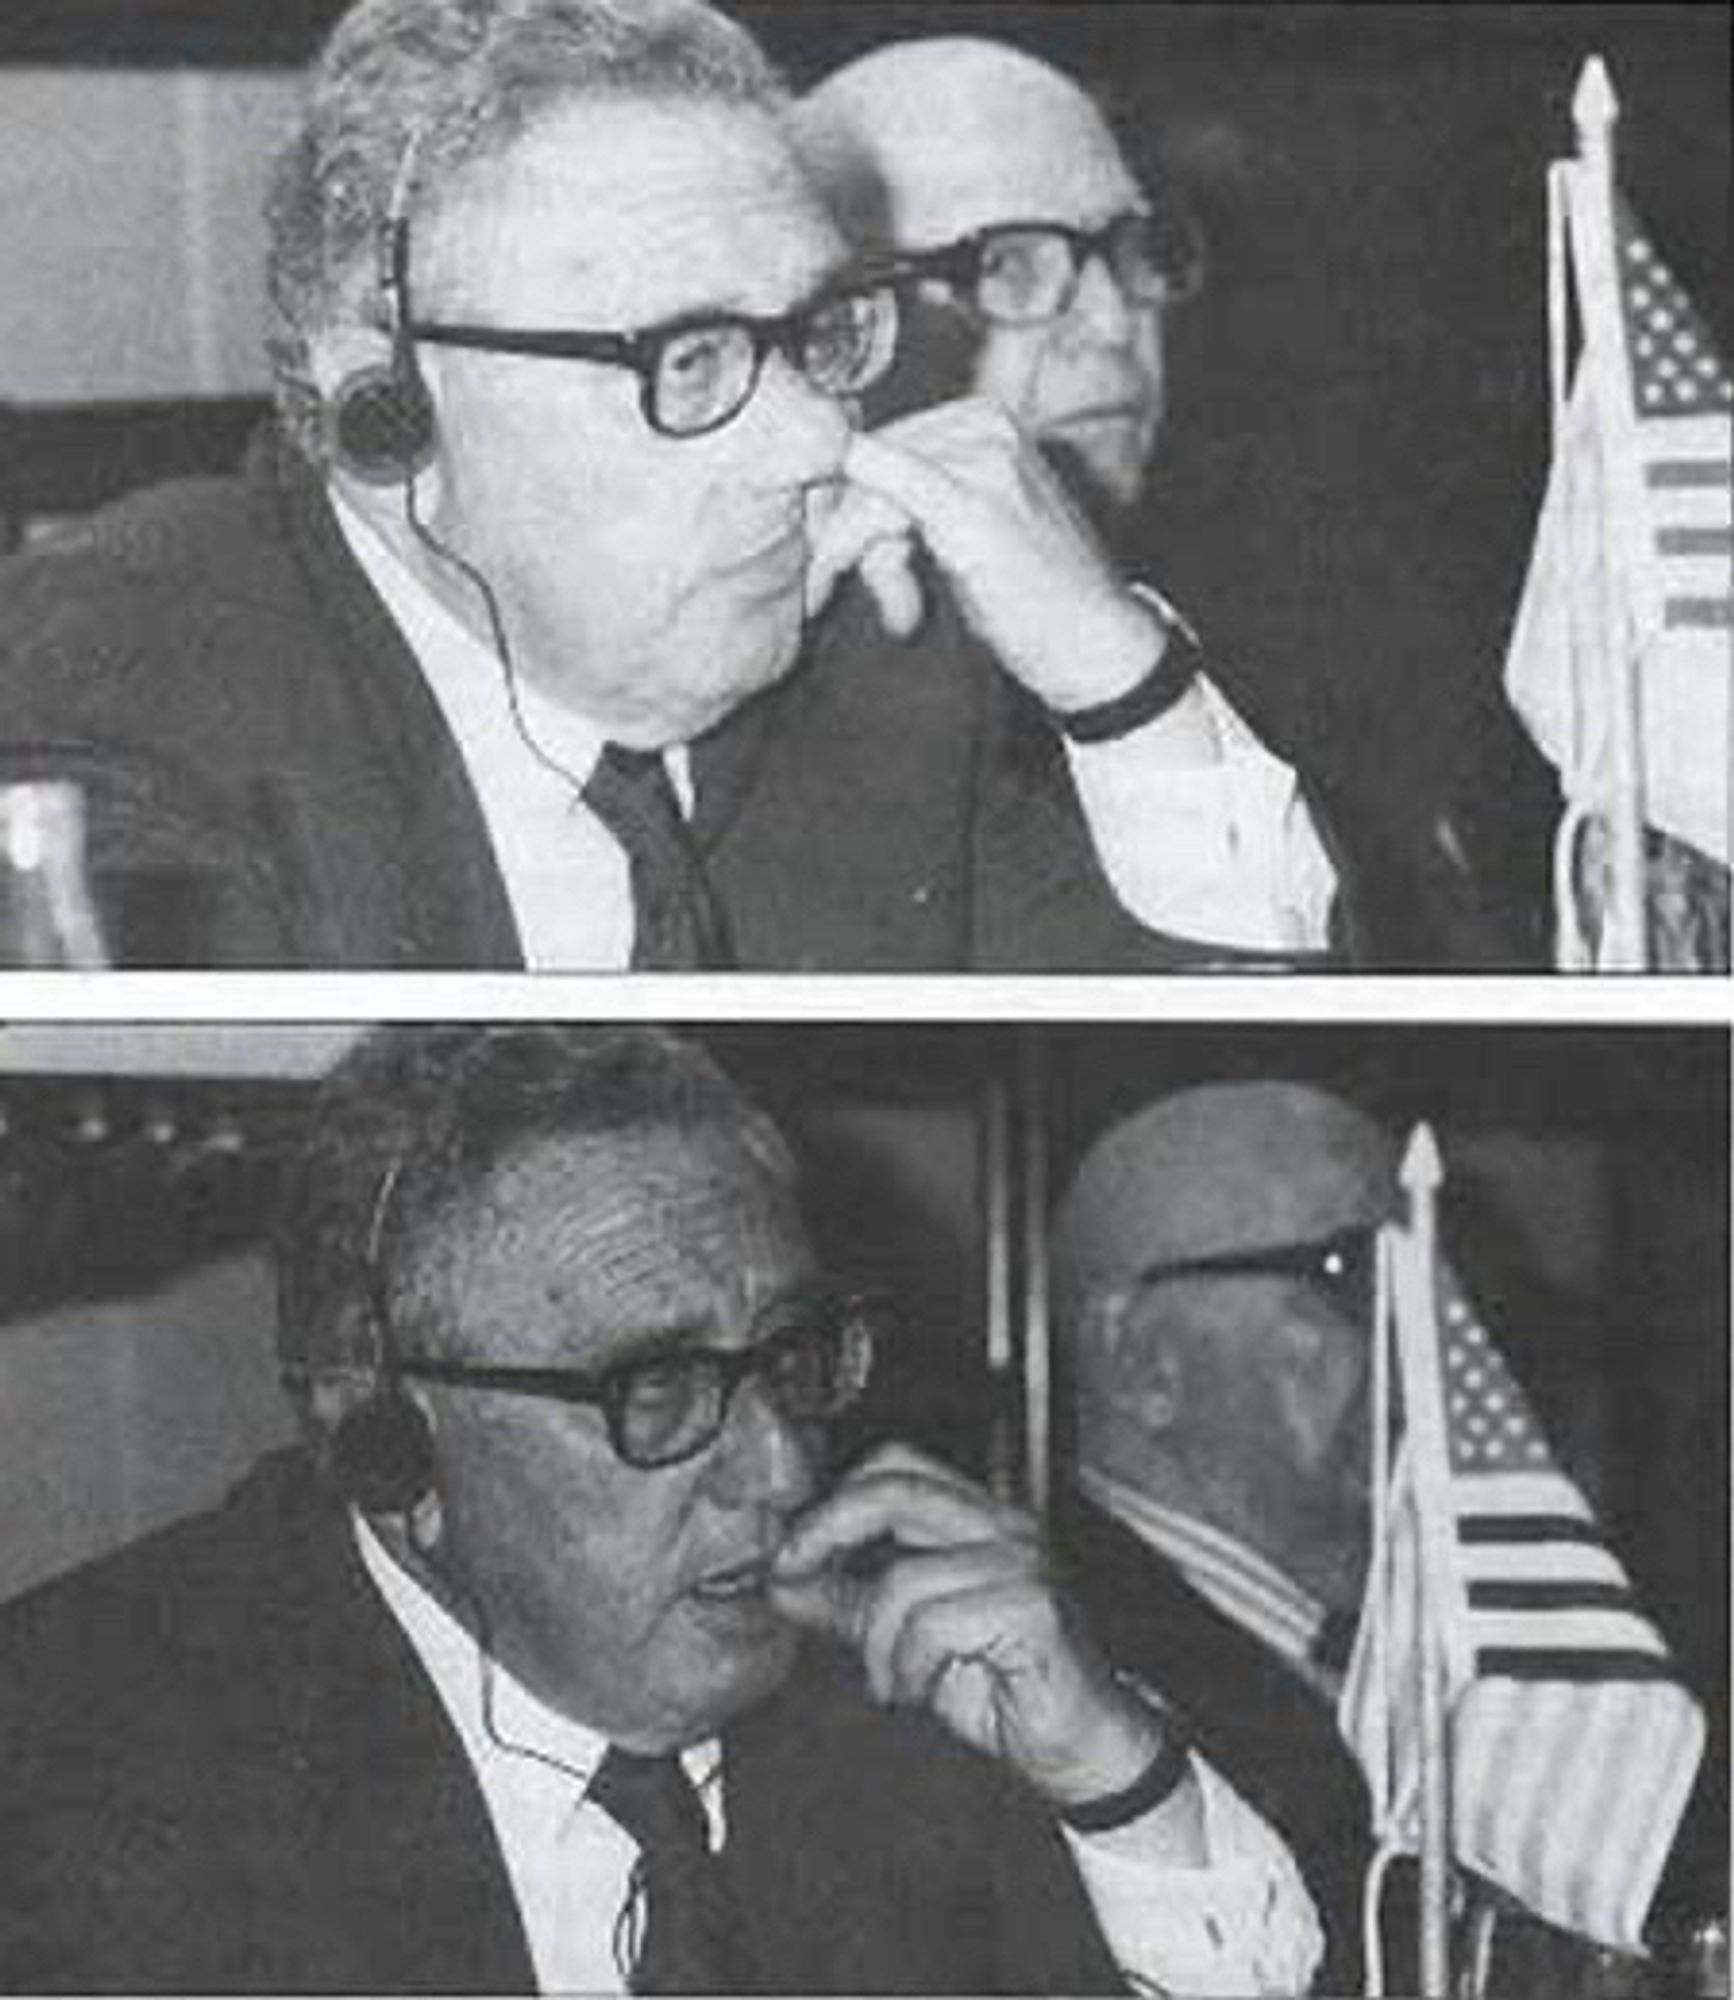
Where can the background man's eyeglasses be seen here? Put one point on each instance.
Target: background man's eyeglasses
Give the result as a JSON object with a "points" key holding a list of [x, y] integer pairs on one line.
{"points": [[699, 372], [1342, 1267], [1026, 273], [814, 1358]]}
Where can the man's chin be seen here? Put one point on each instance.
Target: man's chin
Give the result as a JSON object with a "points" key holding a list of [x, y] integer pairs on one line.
{"points": [[1104, 475], [742, 1660]]}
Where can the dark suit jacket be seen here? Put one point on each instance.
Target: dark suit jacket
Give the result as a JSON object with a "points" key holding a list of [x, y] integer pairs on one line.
{"points": [[225, 1771], [274, 784], [1258, 1722]]}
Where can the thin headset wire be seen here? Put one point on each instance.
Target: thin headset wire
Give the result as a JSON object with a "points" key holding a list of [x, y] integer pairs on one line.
{"points": [[487, 1667], [395, 278], [384, 1363], [444, 553]]}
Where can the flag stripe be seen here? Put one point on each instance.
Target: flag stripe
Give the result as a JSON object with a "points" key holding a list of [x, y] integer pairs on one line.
{"points": [[1665, 472], [1695, 541], [1537, 1594], [1556, 1663], [1562, 1631], [1476, 1528], [1716, 612], [1575, 1562]]}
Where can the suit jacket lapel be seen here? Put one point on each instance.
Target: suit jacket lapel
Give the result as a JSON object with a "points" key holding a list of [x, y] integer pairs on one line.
{"points": [[409, 1883]]}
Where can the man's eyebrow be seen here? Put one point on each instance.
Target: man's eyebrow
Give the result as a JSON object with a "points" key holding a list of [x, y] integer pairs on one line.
{"points": [[844, 269], [662, 1343]]}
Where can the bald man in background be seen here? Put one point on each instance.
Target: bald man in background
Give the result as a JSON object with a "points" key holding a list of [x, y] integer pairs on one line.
{"points": [[918, 146], [1213, 1266], [933, 149], [1213, 1293]]}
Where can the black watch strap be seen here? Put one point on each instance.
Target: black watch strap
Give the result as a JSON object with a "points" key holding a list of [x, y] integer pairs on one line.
{"points": [[1179, 666], [1157, 1782]]}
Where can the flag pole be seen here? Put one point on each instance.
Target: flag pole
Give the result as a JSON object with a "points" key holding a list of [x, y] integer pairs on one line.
{"points": [[1001, 1354], [1594, 112], [1038, 1360], [1421, 1174]]}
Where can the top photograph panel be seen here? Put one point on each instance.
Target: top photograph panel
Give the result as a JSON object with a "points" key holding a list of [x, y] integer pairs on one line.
{"points": [[572, 486]]}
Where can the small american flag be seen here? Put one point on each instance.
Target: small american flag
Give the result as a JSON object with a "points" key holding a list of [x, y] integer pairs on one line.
{"points": [[1573, 1743], [1682, 397], [1632, 574]]}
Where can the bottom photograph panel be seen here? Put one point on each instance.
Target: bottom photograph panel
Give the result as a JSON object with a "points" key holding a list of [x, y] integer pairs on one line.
{"points": [[861, 1508]]}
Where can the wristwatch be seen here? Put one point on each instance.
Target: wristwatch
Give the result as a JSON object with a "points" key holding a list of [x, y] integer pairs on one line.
{"points": [[1180, 664]]}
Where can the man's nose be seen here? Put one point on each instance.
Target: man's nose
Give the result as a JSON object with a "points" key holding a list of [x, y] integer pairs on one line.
{"points": [[761, 1458], [800, 434]]}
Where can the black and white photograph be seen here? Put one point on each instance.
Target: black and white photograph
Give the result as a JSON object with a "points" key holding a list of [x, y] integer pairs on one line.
{"points": [[590, 484], [981, 1473], [1121, 1384]]}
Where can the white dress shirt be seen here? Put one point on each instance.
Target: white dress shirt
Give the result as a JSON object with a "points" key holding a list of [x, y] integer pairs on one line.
{"points": [[1225, 853], [1243, 1924], [1238, 1581]]}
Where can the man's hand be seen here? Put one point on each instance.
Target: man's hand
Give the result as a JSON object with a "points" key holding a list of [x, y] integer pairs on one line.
{"points": [[945, 1593], [1033, 582]]}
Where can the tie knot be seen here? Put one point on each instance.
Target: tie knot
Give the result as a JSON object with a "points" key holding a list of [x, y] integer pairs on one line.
{"points": [[677, 924], [654, 1800]]}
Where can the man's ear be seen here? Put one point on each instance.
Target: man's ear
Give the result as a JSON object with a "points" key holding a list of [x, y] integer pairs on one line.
{"points": [[1135, 1356]]}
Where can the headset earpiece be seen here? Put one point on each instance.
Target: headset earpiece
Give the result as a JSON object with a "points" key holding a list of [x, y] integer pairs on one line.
{"points": [[382, 1453], [380, 422]]}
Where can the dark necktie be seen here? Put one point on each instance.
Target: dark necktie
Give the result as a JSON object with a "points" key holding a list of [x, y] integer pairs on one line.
{"points": [[691, 1940], [677, 926], [1334, 1642]]}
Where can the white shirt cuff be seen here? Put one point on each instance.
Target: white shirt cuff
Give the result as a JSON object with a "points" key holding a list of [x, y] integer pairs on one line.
{"points": [[1226, 853], [1241, 1924]]}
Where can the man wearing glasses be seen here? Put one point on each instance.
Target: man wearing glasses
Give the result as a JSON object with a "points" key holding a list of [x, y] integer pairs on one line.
{"points": [[1214, 1289], [1038, 275], [568, 355], [563, 1660]]}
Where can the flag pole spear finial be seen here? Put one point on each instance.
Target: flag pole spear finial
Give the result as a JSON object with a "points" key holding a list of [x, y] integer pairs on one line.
{"points": [[1594, 107], [1423, 1170]]}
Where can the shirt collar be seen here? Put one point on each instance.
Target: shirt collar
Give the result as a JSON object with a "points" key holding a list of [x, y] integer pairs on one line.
{"points": [[488, 1705], [1242, 1584], [468, 678]]}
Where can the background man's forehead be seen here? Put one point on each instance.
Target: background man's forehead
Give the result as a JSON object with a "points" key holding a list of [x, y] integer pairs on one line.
{"points": [[1229, 1167], [948, 194], [966, 135]]}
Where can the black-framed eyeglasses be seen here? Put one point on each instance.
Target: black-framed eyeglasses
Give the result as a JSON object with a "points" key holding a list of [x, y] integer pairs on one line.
{"points": [[698, 372], [1342, 1267], [1026, 273], [814, 1355]]}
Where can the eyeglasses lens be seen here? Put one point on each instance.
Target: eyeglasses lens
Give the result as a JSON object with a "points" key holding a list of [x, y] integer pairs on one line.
{"points": [[1144, 264], [1344, 1273], [814, 1367], [1026, 276], [848, 342], [703, 375]]}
